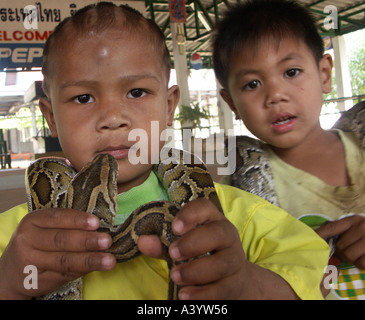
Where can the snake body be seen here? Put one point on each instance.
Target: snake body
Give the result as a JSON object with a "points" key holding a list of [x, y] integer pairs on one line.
{"points": [[53, 183]]}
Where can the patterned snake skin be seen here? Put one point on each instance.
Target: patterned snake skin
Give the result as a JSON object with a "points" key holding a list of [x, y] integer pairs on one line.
{"points": [[52, 182]]}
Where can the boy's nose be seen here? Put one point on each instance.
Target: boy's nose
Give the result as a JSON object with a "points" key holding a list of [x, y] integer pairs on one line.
{"points": [[112, 116], [275, 94]]}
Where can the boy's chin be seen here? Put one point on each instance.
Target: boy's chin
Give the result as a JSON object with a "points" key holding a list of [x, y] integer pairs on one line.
{"points": [[282, 145]]}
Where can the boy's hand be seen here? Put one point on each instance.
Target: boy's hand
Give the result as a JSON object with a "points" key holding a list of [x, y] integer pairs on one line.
{"points": [[216, 276], [203, 229], [60, 243], [350, 246], [225, 274]]}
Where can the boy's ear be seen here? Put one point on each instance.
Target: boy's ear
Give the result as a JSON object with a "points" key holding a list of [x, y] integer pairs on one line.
{"points": [[173, 96], [46, 108], [325, 69], [228, 99]]}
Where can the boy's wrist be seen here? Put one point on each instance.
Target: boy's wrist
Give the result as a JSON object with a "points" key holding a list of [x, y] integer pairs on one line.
{"points": [[264, 284], [7, 290], [7, 293]]}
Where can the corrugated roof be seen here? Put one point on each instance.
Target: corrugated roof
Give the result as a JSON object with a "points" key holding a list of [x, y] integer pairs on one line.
{"points": [[202, 14]]}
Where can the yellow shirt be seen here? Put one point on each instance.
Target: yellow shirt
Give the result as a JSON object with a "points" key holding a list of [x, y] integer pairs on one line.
{"points": [[301, 193], [270, 238]]}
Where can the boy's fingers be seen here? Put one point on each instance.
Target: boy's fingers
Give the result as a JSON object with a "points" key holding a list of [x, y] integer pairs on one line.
{"points": [[203, 229], [334, 228], [72, 240], [72, 264], [360, 263], [63, 218], [57, 269], [208, 237], [208, 268], [349, 239], [151, 246], [352, 253], [195, 213], [219, 290]]}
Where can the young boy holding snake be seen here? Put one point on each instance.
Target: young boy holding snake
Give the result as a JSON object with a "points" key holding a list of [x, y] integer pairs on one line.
{"points": [[270, 60], [110, 76]]}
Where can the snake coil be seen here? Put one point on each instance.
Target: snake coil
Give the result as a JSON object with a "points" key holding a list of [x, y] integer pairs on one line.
{"points": [[53, 183]]}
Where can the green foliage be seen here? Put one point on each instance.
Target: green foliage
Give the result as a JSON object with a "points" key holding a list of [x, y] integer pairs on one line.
{"points": [[357, 69], [192, 114], [357, 72]]}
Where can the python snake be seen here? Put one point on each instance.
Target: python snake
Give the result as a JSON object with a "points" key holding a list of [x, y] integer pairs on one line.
{"points": [[53, 183]]}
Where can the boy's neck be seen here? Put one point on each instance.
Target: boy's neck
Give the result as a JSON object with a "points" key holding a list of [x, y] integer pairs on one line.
{"points": [[322, 155], [318, 140], [124, 187]]}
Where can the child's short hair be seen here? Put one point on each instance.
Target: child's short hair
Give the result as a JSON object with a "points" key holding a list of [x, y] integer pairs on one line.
{"points": [[244, 25], [96, 18]]}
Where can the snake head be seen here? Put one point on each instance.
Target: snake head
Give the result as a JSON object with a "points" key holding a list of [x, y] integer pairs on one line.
{"points": [[94, 188]]}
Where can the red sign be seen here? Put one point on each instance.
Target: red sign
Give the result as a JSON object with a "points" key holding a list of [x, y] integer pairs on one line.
{"points": [[177, 10]]}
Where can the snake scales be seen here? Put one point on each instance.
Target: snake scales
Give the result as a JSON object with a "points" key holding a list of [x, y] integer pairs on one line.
{"points": [[53, 183]]}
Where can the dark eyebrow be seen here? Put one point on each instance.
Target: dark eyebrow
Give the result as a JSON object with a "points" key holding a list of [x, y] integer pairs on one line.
{"points": [[140, 77], [243, 72], [291, 56], [88, 83], [81, 83]]}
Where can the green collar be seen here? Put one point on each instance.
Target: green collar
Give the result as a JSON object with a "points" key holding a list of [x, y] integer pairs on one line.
{"points": [[149, 190]]}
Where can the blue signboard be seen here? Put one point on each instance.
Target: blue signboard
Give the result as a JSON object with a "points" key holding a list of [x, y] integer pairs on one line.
{"points": [[24, 55], [25, 26]]}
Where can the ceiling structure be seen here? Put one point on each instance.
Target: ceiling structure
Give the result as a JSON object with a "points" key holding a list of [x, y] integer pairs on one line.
{"points": [[8, 104], [201, 16]]}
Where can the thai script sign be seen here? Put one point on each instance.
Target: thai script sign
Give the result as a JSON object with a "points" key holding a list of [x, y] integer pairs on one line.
{"points": [[25, 25]]}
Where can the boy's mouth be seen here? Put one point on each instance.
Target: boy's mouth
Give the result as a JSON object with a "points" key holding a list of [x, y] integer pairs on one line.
{"points": [[118, 152], [283, 122]]}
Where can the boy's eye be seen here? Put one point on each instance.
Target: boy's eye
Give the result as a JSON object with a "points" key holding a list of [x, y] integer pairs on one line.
{"points": [[292, 72], [136, 93], [252, 85], [84, 98]]}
